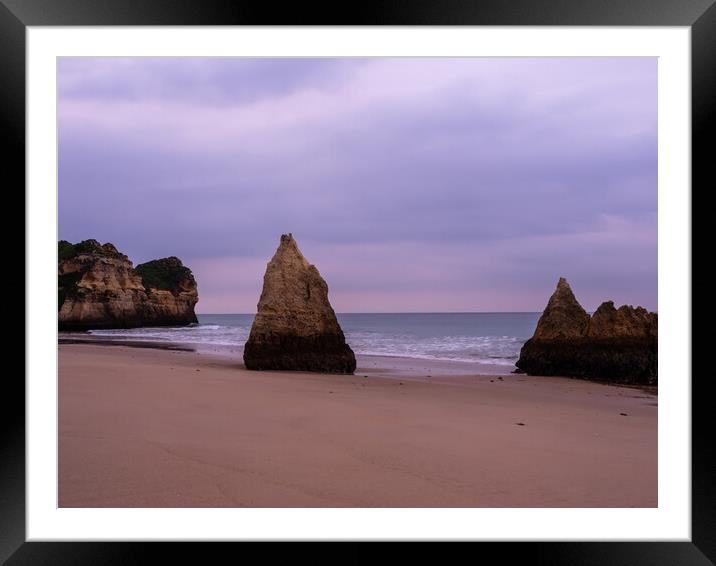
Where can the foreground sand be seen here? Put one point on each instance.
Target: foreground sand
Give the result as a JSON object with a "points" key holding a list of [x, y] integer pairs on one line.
{"points": [[154, 428]]}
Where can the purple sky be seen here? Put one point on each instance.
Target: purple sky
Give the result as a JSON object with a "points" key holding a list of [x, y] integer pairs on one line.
{"points": [[413, 184]]}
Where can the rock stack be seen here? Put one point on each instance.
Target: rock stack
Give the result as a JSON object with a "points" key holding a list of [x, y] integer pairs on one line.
{"points": [[171, 292], [99, 288], [617, 345], [295, 327]]}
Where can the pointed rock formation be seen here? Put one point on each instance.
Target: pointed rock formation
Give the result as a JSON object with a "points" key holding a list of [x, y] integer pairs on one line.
{"points": [[99, 288], [295, 327], [564, 317], [618, 345]]}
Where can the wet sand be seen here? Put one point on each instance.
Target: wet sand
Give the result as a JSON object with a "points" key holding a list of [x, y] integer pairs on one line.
{"points": [[145, 427]]}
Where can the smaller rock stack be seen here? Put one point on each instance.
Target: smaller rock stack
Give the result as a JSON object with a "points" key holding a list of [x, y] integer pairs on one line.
{"points": [[617, 345], [171, 292], [295, 327]]}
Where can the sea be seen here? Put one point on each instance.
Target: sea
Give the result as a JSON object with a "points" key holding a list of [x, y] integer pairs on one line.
{"points": [[485, 338]]}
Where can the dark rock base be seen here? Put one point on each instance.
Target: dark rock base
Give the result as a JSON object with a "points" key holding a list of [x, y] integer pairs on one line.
{"points": [[80, 326], [623, 360], [326, 353]]}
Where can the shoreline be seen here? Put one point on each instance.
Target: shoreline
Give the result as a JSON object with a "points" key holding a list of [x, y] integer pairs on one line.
{"points": [[146, 427], [459, 367], [401, 364]]}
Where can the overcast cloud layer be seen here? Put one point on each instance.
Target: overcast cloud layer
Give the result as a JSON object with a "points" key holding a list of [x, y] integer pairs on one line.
{"points": [[412, 184]]}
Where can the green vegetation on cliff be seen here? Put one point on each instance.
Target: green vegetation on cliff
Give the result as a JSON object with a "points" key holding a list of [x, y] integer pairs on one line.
{"points": [[66, 284], [67, 250], [167, 274]]}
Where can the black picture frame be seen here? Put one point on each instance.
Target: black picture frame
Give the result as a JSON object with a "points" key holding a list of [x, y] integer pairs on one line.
{"points": [[699, 15]]}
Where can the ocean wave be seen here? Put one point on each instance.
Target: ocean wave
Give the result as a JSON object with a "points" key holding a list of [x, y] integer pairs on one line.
{"points": [[379, 335]]}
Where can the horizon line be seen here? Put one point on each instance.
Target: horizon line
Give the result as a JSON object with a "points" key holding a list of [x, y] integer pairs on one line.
{"points": [[391, 312]]}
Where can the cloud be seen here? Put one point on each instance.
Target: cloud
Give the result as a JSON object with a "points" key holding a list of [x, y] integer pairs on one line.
{"points": [[525, 168]]}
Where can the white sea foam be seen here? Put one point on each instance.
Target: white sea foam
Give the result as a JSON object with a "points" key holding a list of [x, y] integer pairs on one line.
{"points": [[195, 334], [468, 337]]}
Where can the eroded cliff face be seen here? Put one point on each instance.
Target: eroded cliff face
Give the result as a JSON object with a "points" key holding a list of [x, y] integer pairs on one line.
{"points": [[626, 321], [171, 292], [618, 345], [99, 288], [295, 327]]}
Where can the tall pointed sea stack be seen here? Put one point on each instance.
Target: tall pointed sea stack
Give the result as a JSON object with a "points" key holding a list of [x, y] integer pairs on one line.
{"points": [[295, 327], [618, 345]]}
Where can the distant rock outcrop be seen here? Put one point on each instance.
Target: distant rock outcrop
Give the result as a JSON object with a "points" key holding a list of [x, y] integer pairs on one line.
{"points": [[624, 322], [295, 327], [99, 288], [618, 345]]}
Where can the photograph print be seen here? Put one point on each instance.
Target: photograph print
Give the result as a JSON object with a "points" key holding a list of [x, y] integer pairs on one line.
{"points": [[357, 282]]}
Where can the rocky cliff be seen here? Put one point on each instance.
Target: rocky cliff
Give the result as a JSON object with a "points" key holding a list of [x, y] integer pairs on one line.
{"points": [[99, 288], [295, 327], [618, 345], [564, 317], [171, 292]]}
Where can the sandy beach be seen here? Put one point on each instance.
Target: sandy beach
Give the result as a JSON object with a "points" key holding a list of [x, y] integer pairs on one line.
{"points": [[145, 427]]}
